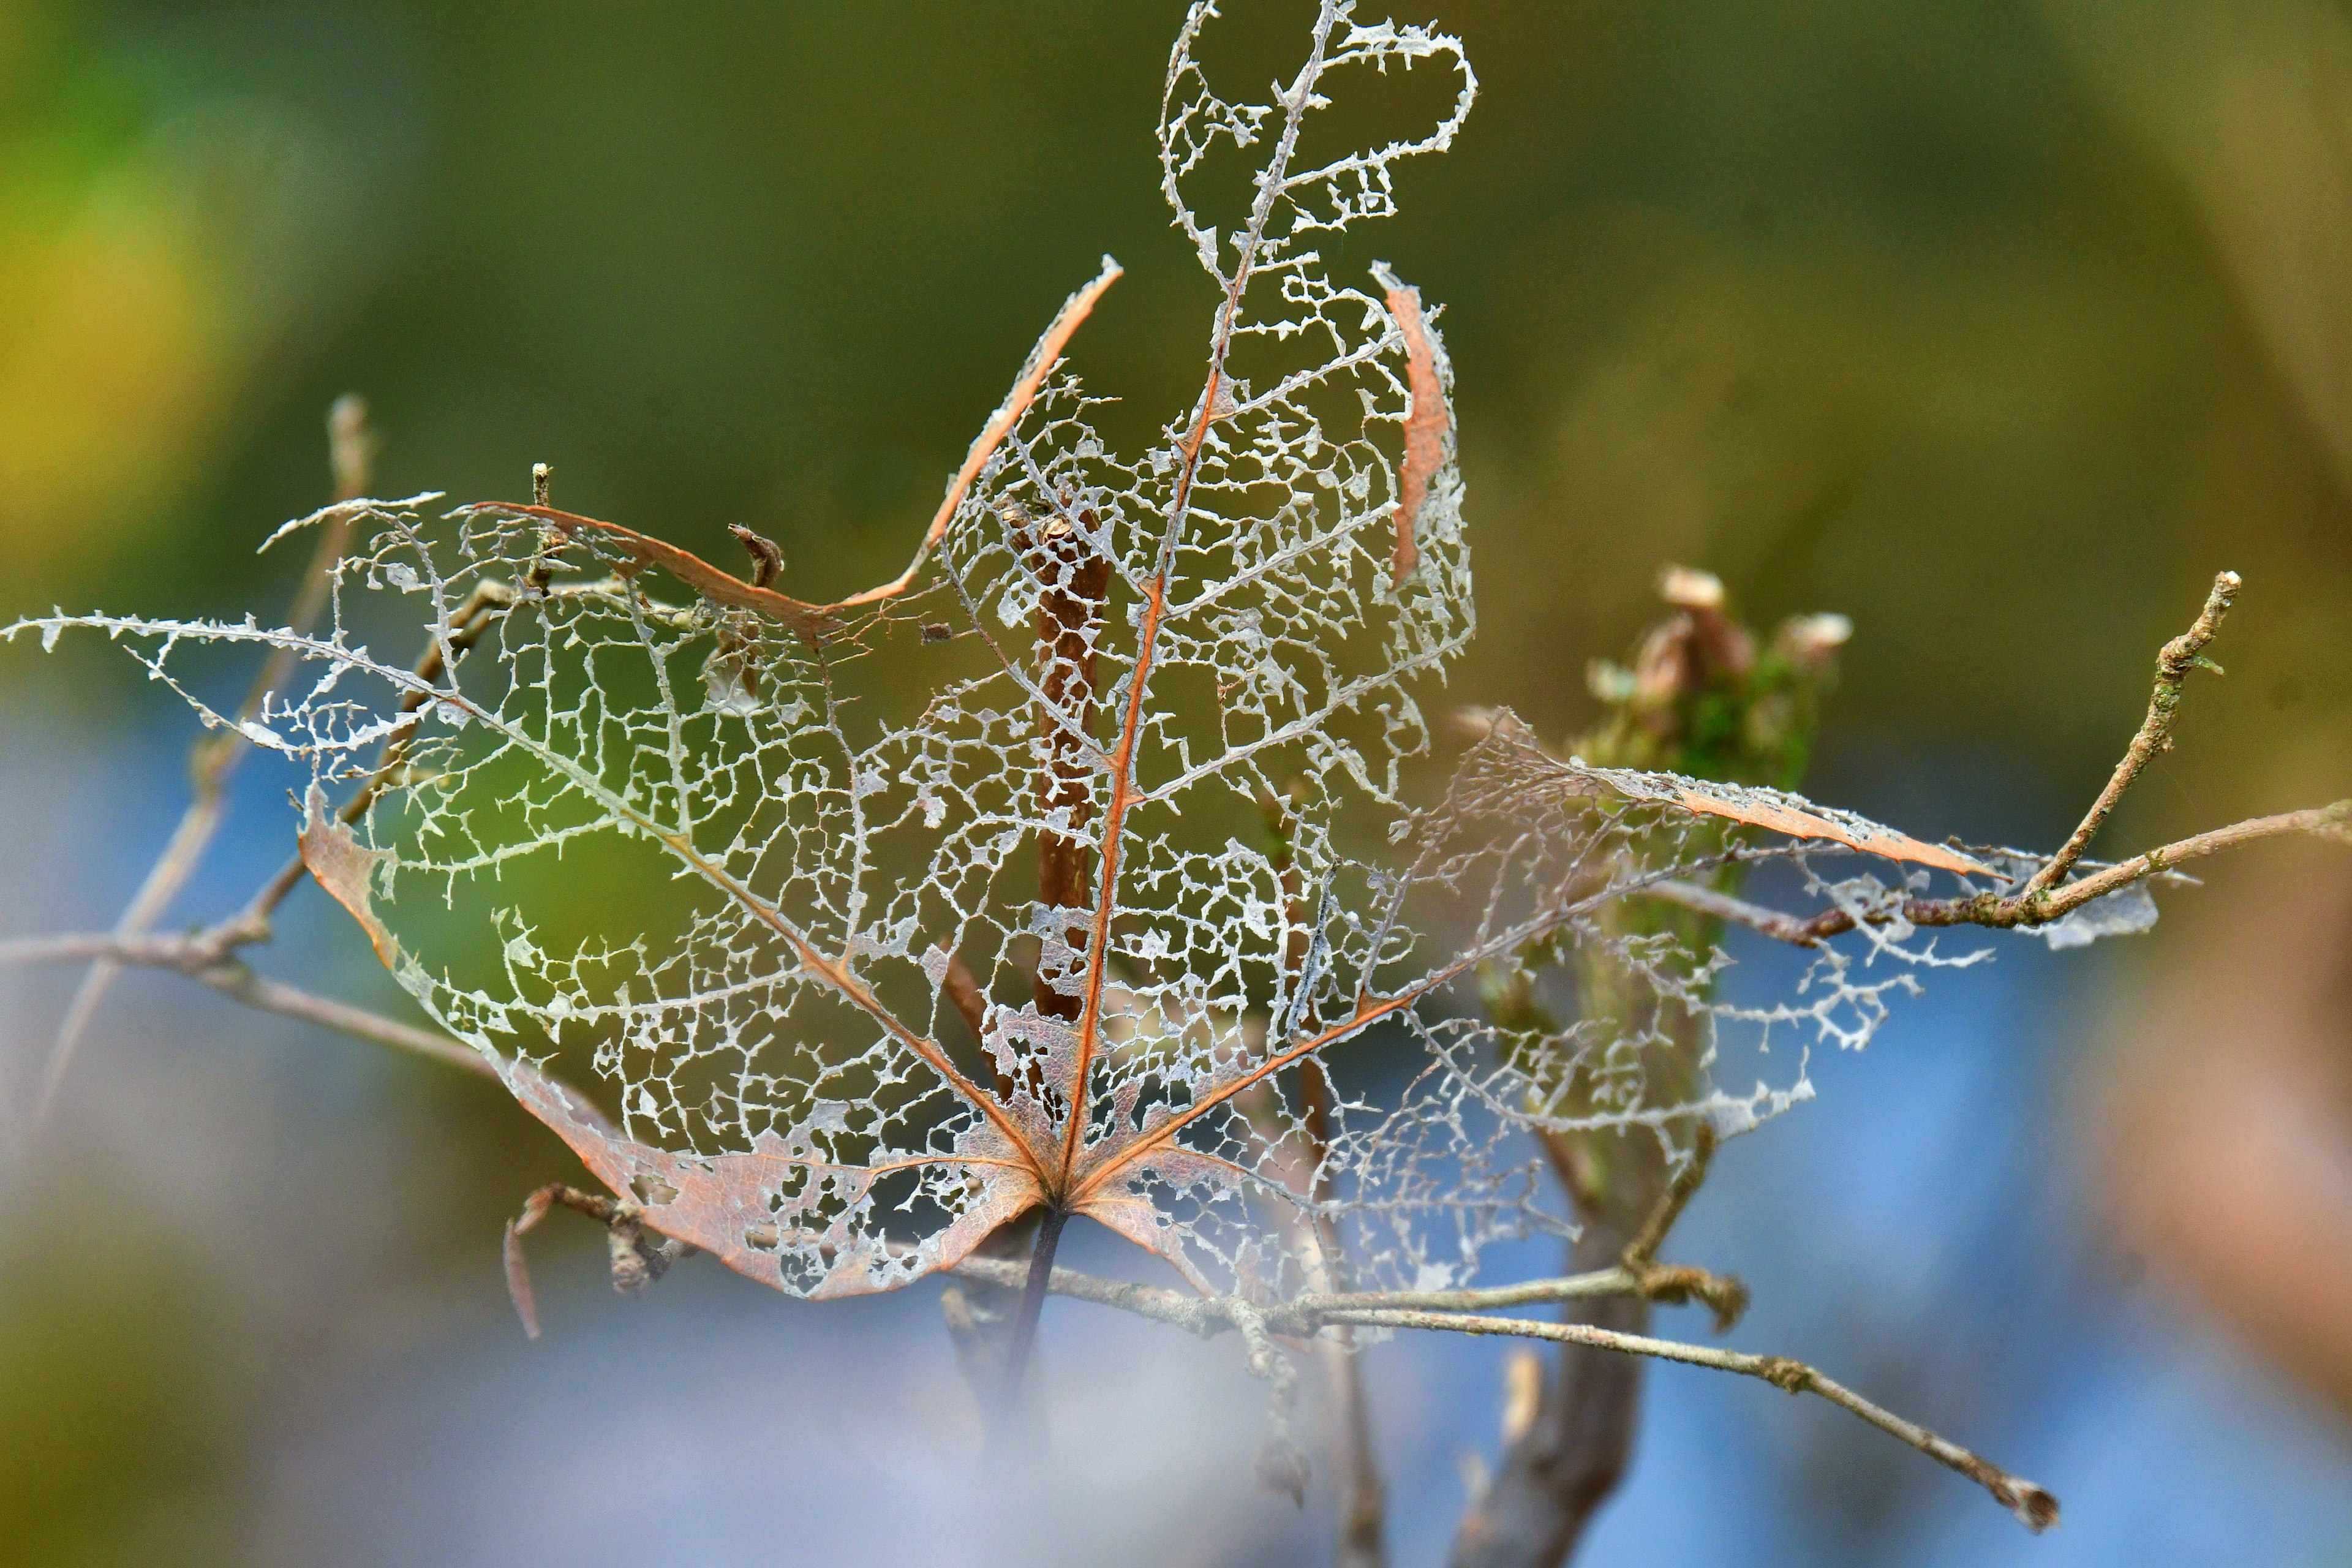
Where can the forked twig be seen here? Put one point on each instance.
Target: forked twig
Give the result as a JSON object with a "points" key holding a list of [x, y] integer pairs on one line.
{"points": [[209, 958], [2032, 1505], [350, 450], [636, 1262], [2018, 910], [2173, 663], [1726, 1295]]}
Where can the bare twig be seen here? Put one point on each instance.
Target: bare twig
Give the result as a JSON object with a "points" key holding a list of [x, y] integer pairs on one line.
{"points": [[1210, 1315], [1643, 1250], [206, 957], [2020, 910], [2036, 1508], [1301, 1315], [636, 1261], [2046, 896], [1724, 1294], [351, 448], [2173, 664]]}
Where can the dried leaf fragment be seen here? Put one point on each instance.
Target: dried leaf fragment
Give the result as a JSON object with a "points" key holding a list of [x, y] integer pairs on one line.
{"points": [[751, 1210], [1774, 810], [345, 868], [519, 1290], [1426, 429], [1780, 813], [1034, 373], [719, 587]]}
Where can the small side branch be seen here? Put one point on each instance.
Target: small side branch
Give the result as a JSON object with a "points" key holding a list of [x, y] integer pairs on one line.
{"points": [[637, 1259], [206, 959], [1725, 1295], [2047, 895], [2178, 658], [2033, 1506]]}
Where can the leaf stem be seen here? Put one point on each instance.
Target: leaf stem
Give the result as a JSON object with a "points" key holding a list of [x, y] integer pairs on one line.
{"points": [[1033, 1302]]}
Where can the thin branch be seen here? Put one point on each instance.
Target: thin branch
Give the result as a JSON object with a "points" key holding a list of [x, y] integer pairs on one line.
{"points": [[2033, 1506], [205, 957], [636, 1262], [1726, 1295], [2173, 664], [2021, 911], [350, 450], [235, 981], [1302, 1315], [1795, 930], [1439, 1311], [2333, 821], [2046, 896], [1643, 1250], [1531, 1293], [1193, 1314]]}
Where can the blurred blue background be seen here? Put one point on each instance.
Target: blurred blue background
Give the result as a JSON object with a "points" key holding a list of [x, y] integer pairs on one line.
{"points": [[1998, 327]]}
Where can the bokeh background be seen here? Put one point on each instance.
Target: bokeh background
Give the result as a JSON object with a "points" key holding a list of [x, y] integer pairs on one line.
{"points": [[1998, 326]]}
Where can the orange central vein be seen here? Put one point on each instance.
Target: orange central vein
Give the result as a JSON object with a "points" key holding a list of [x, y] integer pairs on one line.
{"points": [[1367, 1013], [1122, 789]]}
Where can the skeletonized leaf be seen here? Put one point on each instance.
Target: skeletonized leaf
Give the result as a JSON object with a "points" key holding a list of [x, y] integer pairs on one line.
{"points": [[919, 933]]}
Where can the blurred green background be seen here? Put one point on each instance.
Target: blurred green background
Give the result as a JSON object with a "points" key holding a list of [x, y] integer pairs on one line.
{"points": [[1998, 326]]}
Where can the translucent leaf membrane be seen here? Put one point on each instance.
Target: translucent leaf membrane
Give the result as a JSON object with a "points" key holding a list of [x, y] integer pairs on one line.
{"points": [[922, 908], [1580, 871]]}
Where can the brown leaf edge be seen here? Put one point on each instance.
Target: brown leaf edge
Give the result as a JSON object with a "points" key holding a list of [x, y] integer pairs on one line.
{"points": [[814, 620], [720, 587], [1426, 428], [721, 1203], [1784, 814], [1772, 810]]}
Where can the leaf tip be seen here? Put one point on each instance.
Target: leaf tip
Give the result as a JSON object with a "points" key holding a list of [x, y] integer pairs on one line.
{"points": [[519, 1290]]}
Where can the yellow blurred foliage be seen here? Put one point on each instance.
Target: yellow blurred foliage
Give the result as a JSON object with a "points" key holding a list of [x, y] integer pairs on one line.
{"points": [[115, 366]]}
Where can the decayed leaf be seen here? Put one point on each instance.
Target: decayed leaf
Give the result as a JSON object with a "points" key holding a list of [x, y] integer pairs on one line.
{"points": [[922, 932]]}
